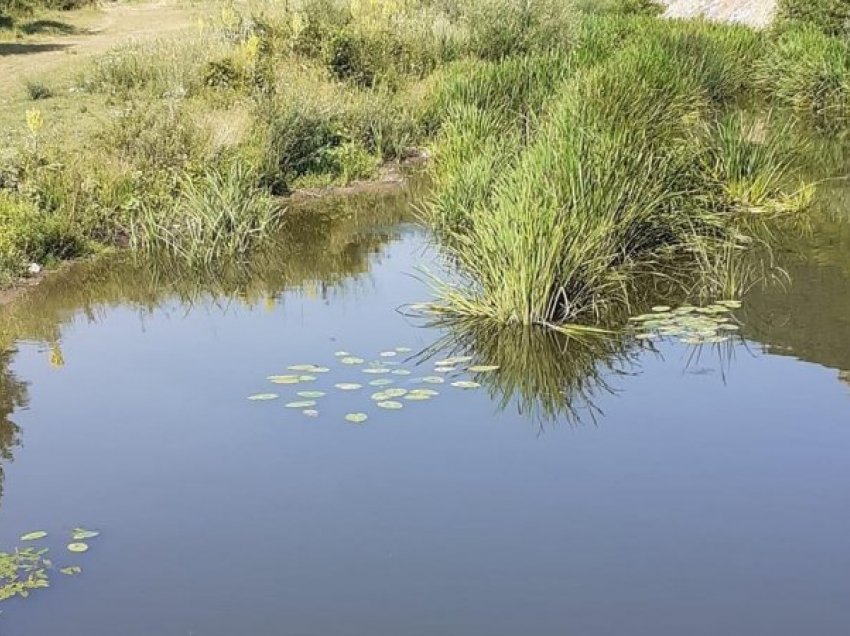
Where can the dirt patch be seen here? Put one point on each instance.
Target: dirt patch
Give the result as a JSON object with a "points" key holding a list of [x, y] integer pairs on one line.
{"points": [[113, 25], [755, 13]]}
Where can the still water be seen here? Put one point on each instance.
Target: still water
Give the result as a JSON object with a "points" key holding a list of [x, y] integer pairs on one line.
{"points": [[584, 488]]}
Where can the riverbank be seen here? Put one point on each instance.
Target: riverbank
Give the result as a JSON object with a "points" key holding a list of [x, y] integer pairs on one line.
{"points": [[183, 144]]}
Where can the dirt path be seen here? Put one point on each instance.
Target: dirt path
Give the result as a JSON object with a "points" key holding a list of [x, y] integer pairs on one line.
{"points": [[112, 25], [755, 13]]}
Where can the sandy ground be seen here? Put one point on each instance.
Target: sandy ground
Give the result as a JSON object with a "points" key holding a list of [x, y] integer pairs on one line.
{"points": [[755, 13], [112, 25]]}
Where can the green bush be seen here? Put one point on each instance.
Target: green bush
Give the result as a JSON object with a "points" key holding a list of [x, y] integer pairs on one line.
{"points": [[831, 17]]}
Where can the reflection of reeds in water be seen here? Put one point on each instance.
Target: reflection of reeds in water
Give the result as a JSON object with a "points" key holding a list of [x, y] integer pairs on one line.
{"points": [[549, 375]]}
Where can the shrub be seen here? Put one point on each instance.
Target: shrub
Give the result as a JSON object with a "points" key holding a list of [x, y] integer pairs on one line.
{"points": [[38, 90]]}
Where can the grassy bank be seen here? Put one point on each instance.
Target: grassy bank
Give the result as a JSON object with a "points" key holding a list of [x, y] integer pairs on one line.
{"points": [[577, 146]]}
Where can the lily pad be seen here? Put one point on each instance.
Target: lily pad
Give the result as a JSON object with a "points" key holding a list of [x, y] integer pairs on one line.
{"points": [[306, 378], [388, 354], [380, 396], [393, 393], [301, 404], [71, 570], [445, 369], [453, 360], [433, 379], [78, 547], [413, 397], [34, 536], [260, 397], [81, 534], [310, 412], [283, 379], [403, 349], [391, 405], [483, 368], [400, 372], [428, 392], [301, 367], [352, 360], [381, 382], [342, 354], [348, 386], [376, 370], [466, 384], [356, 418], [311, 394]]}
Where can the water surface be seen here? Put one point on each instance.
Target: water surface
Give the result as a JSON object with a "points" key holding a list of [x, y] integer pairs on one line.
{"points": [[612, 488]]}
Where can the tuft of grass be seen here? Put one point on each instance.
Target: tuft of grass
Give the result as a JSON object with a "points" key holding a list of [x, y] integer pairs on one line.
{"points": [[37, 90], [831, 17]]}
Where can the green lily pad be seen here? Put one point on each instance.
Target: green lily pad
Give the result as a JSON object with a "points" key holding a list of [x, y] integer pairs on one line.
{"points": [[393, 393], [400, 372], [352, 360], [34, 536], [388, 354], [283, 379], [391, 405], [260, 397], [78, 547], [466, 384], [301, 404], [413, 397], [342, 354], [71, 570], [428, 392], [453, 360], [445, 369], [81, 534], [348, 386], [483, 368], [310, 412], [306, 378], [381, 382], [311, 394], [301, 367], [380, 396], [403, 349], [433, 379], [376, 370], [356, 418]]}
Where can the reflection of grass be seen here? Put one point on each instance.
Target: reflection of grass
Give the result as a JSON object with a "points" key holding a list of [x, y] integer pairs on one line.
{"points": [[549, 374]]}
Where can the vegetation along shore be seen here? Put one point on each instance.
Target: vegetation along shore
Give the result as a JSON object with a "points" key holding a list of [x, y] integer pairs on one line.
{"points": [[579, 151]]}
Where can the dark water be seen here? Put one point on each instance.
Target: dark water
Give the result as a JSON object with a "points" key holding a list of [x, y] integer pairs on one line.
{"points": [[584, 489]]}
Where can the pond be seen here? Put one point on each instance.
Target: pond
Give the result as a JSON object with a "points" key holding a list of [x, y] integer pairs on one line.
{"points": [[613, 487]]}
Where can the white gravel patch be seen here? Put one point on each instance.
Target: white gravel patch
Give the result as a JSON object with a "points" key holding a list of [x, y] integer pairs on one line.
{"points": [[754, 13]]}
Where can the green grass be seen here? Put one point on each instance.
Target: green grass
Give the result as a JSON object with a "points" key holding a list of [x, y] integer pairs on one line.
{"points": [[577, 146], [831, 17]]}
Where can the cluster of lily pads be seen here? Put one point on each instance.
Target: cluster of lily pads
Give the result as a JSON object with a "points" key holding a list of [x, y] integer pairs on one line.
{"points": [[26, 569], [710, 324], [388, 376]]}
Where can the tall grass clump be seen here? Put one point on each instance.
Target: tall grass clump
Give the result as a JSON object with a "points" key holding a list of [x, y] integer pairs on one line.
{"points": [[217, 214], [831, 17], [609, 187], [809, 72]]}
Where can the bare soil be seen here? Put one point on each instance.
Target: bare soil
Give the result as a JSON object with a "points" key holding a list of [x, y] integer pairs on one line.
{"points": [[755, 13]]}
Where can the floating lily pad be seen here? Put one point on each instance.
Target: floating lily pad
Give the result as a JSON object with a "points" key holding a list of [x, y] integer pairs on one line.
{"points": [[71, 570], [352, 360], [444, 369], [388, 354], [413, 397], [301, 367], [348, 386], [381, 382], [34, 536], [403, 349], [356, 418], [395, 392], [342, 354], [376, 370], [306, 378], [259, 397], [483, 368], [453, 360], [310, 412], [81, 534], [311, 394], [301, 404], [380, 396], [466, 384], [428, 392], [78, 547], [400, 372], [283, 379], [320, 369], [391, 405], [433, 379]]}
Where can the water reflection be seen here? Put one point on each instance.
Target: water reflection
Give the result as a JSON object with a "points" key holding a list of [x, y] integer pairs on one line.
{"points": [[13, 395]]}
